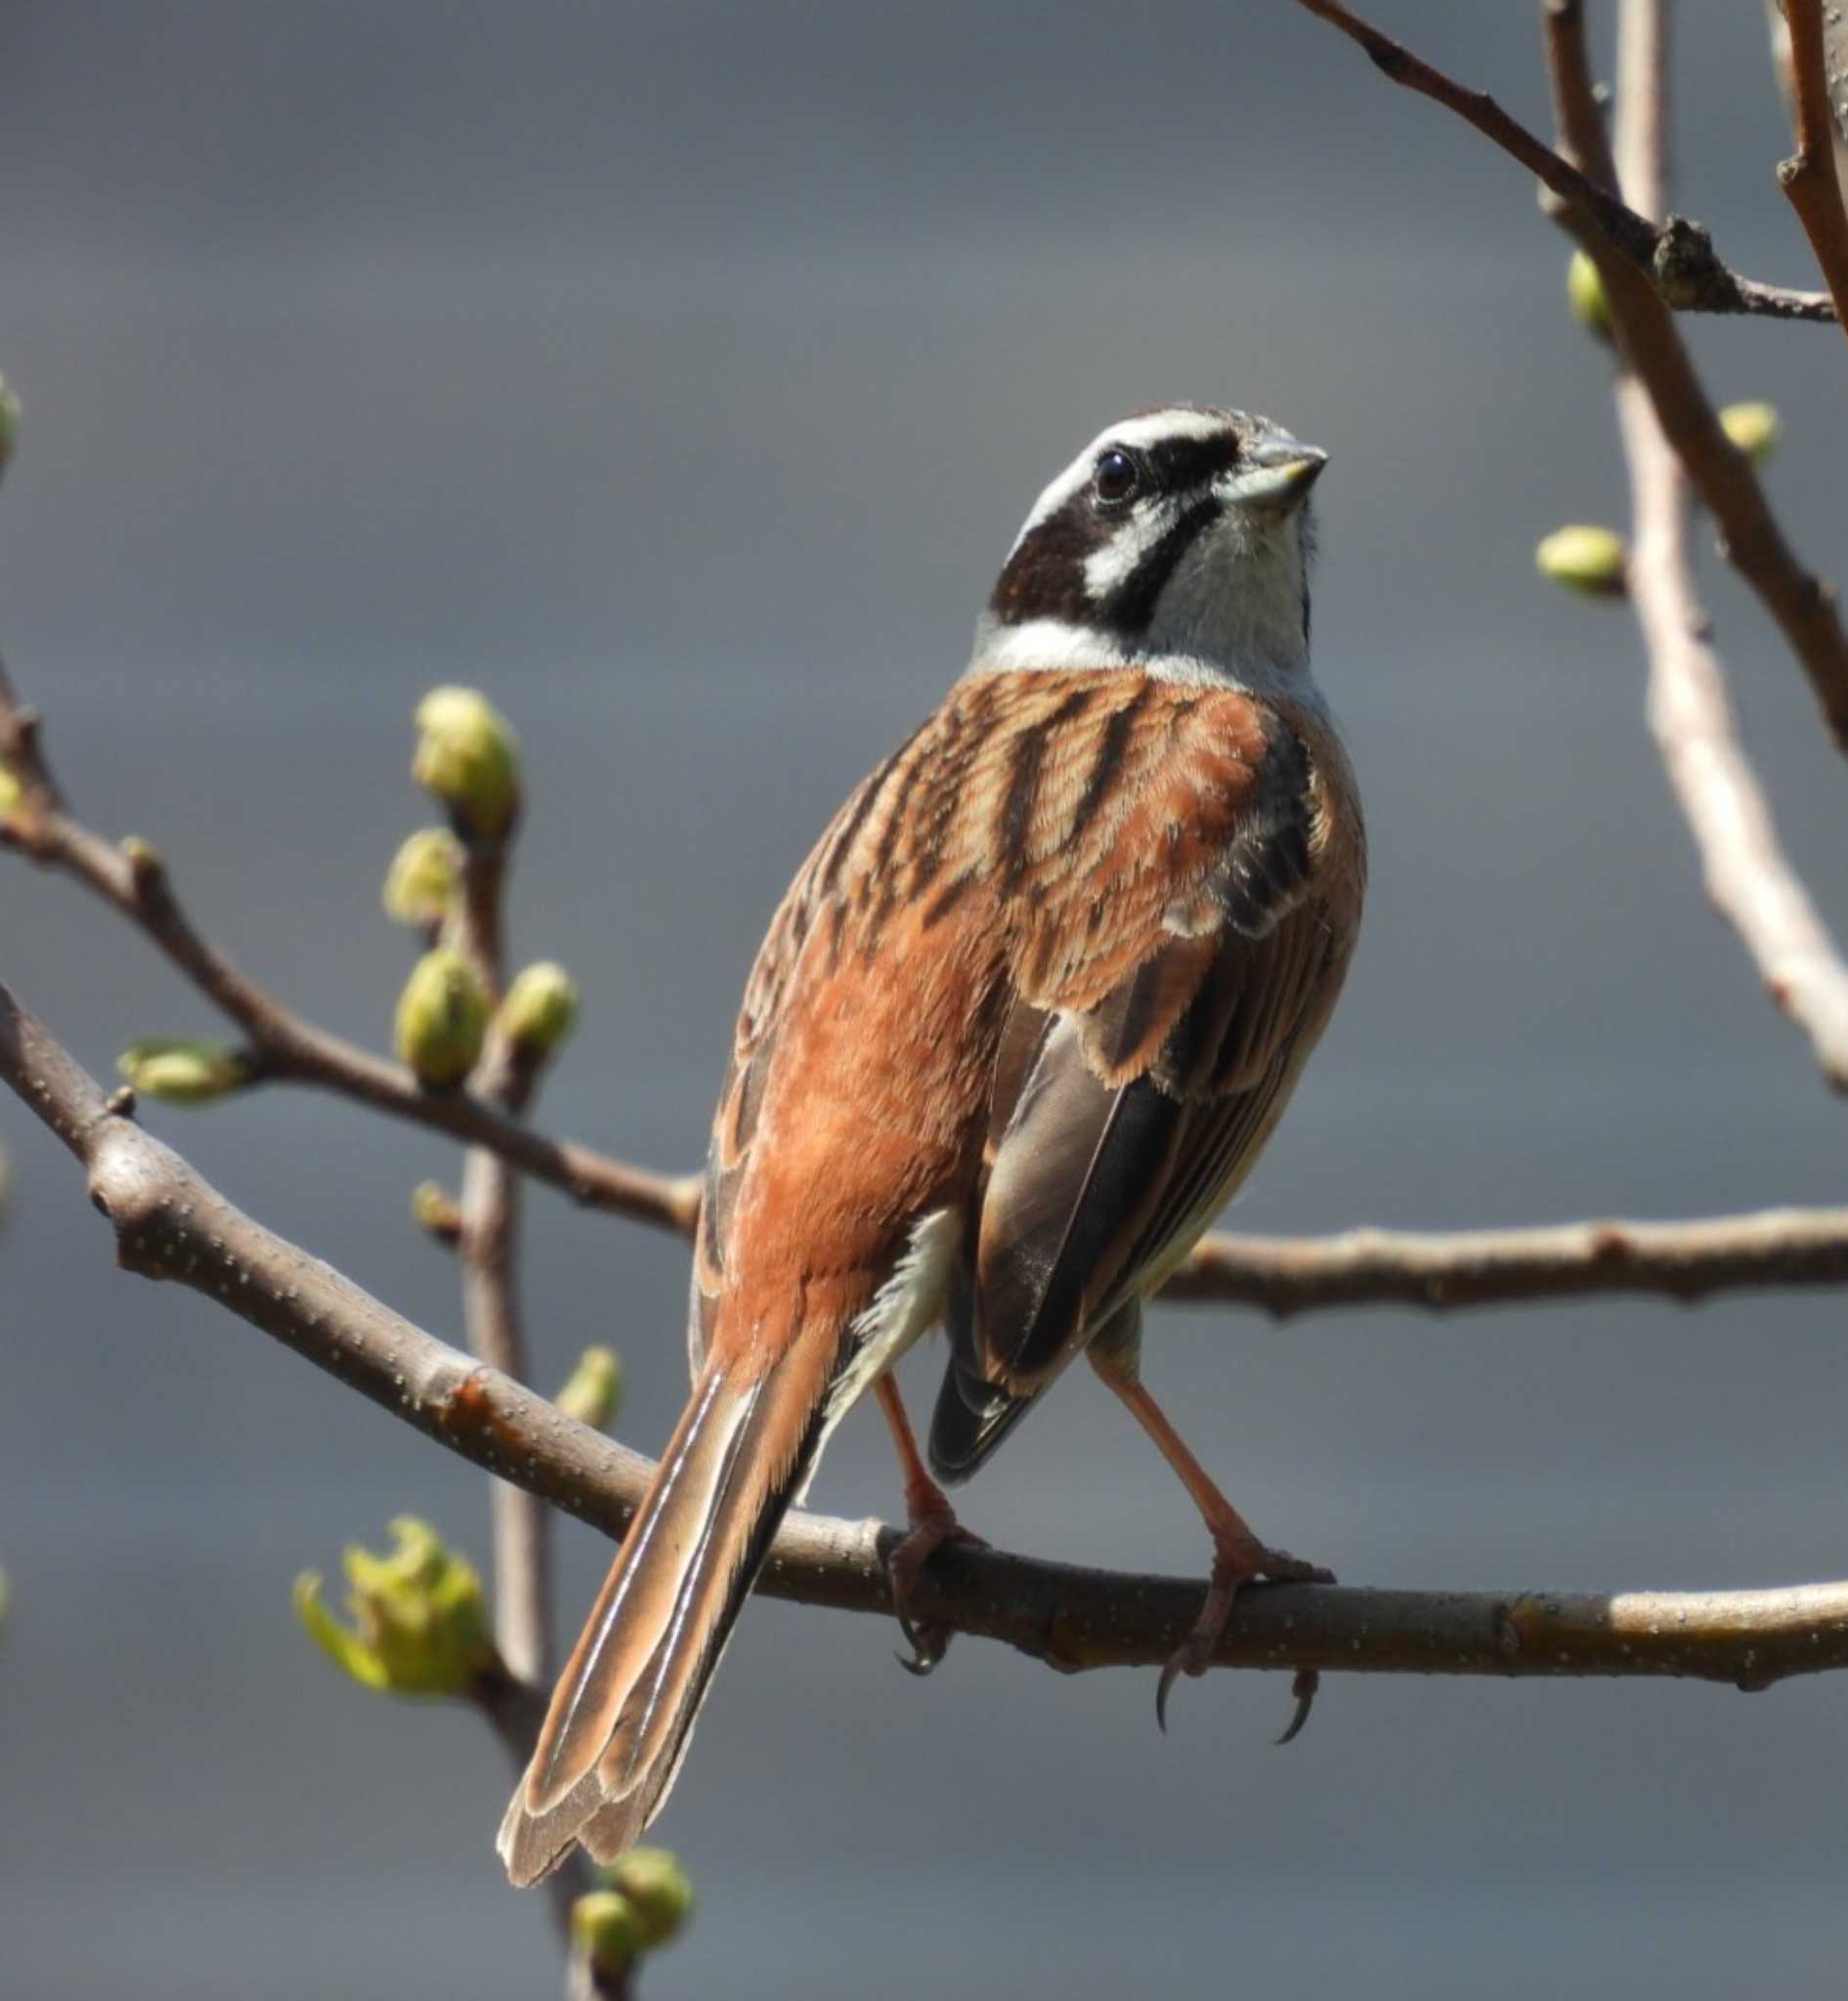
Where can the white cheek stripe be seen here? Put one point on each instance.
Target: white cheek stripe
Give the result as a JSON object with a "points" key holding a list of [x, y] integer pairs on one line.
{"points": [[1109, 569]]}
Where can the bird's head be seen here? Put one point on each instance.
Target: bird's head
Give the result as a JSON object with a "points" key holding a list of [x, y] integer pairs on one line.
{"points": [[1177, 539]]}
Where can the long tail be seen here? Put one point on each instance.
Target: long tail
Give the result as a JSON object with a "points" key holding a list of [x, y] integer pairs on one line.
{"points": [[625, 1707]]}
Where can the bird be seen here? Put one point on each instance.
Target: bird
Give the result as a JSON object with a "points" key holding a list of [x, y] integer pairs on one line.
{"points": [[1019, 1027]]}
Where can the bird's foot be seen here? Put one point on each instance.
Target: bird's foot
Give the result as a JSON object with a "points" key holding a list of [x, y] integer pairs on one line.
{"points": [[1238, 1561], [932, 1523]]}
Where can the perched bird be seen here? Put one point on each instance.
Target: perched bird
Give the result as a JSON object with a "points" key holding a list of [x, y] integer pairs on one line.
{"points": [[1021, 1024]]}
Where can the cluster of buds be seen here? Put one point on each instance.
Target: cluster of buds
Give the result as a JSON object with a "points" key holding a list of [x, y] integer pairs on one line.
{"points": [[645, 1901], [419, 1616]]}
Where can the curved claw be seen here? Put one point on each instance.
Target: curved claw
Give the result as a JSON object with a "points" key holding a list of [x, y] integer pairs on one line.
{"points": [[1303, 1689], [1169, 1675], [928, 1645]]}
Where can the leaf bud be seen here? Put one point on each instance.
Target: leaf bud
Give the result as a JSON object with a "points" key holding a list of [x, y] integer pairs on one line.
{"points": [[466, 756], [419, 1616], [1753, 428], [442, 1018], [539, 1011], [593, 1391], [420, 883], [1592, 560], [181, 1071], [1585, 295]]}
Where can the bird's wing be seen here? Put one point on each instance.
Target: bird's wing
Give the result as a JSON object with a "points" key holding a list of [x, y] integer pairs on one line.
{"points": [[1137, 1079]]}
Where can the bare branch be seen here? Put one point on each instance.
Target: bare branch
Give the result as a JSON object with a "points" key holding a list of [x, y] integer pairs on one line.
{"points": [[1679, 259], [1809, 176], [488, 1246], [1690, 711], [285, 1048], [169, 1223], [1802, 606], [1679, 1261]]}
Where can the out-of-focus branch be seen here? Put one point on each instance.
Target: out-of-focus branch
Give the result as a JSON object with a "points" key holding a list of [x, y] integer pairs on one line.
{"points": [[1691, 714], [1678, 257], [1803, 607], [284, 1047], [488, 1246], [1809, 177], [171, 1223]]}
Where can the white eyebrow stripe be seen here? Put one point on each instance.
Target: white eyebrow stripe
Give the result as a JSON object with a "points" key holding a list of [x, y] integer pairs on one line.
{"points": [[1138, 433]]}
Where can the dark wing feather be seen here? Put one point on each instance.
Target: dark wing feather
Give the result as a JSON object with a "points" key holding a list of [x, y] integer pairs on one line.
{"points": [[1111, 1148]]}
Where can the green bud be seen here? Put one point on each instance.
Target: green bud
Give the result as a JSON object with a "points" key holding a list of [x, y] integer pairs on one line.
{"points": [[1592, 560], [8, 423], [1753, 428], [182, 1072], [608, 1930], [11, 790], [593, 1392], [419, 1616], [1585, 295], [442, 1016], [655, 1886], [466, 756], [435, 1211], [540, 1010], [421, 883]]}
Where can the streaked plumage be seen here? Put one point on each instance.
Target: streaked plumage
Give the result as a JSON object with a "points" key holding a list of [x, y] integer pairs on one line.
{"points": [[1021, 1025]]}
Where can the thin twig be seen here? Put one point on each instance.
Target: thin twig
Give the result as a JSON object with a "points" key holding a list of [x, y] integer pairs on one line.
{"points": [[1802, 606], [171, 1223], [1747, 877], [1680, 260], [284, 1047], [1809, 176], [488, 1244]]}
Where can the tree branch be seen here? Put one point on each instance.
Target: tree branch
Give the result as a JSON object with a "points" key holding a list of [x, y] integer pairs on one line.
{"points": [[1809, 177], [285, 1048], [1678, 257], [171, 1223], [487, 1243], [1803, 608], [1747, 879]]}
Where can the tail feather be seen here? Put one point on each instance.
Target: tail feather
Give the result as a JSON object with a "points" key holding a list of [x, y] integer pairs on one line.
{"points": [[625, 1707]]}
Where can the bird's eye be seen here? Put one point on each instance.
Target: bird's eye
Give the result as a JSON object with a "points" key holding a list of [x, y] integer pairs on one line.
{"points": [[1117, 477]]}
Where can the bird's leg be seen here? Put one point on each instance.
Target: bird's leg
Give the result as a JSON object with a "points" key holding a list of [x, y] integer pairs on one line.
{"points": [[1238, 1557], [932, 1523]]}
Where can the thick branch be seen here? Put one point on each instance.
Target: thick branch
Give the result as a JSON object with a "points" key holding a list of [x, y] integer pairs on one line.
{"points": [[1724, 478], [1691, 712], [1809, 177], [169, 1223]]}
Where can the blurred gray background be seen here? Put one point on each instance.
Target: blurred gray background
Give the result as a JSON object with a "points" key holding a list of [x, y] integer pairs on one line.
{"points": [[679, 375]]}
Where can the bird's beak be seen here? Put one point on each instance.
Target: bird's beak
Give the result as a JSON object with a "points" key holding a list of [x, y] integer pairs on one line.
{"points": [[1276, 476]]}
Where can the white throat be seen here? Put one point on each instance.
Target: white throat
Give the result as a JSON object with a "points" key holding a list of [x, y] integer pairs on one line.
{"points": [[1230, 616]]}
